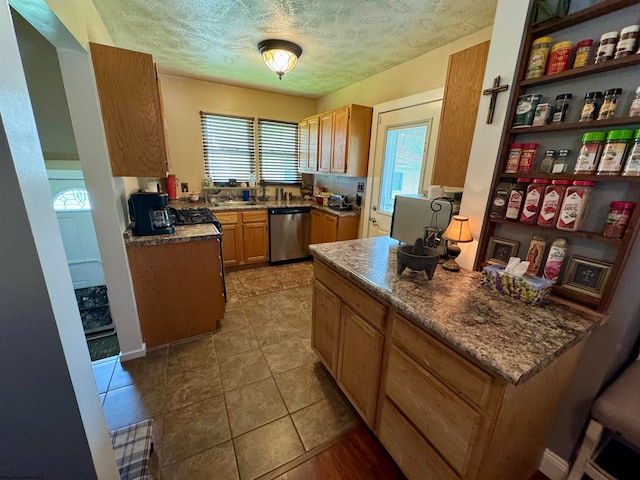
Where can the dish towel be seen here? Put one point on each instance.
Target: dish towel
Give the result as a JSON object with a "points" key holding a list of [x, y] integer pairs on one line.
{"points": [[133, 448]]}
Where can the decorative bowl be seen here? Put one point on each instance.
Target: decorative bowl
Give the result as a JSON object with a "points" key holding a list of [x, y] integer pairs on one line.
{"points": [[427, 262]]}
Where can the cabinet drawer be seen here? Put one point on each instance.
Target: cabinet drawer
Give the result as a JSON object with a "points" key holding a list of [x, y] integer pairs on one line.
{"points": [[254, 216], [370, 309], [458, 373], [227, 217], [442, 417], [411, 452]]}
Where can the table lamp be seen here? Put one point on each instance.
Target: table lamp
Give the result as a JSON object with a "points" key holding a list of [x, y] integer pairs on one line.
{"points": [[457, 232]]}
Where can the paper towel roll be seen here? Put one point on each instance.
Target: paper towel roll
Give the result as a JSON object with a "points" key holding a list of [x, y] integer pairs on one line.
{"points": [[435, 191]]}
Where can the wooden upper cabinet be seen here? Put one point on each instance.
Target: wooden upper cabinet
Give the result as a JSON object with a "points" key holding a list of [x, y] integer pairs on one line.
{"points": [[325, 149], [314, 132], [303, 145], [131, 111], [351, 138], [462, 92], [340, 140]]}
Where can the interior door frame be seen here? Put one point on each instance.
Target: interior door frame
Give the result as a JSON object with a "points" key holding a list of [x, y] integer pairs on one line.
{"points": [[400, 103]]}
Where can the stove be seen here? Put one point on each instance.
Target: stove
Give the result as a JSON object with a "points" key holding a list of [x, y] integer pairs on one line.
{"points": [[193, 216]]}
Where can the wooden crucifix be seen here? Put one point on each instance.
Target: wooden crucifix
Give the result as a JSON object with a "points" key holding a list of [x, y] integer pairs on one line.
{"points": [[494, 91]]}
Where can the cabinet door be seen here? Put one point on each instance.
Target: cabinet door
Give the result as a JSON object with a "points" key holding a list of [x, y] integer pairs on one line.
{"points": [[303, 145], [325, 326], [360, 356], [347, 228], [256, 246], [314, 131], [326, 142], [232, 245], [340, 140], [130, 106], [316, 227], [329, 228]]}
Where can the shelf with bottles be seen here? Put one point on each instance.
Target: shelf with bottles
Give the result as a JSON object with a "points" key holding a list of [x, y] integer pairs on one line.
{"points": [[572, 177], [631, 122]]}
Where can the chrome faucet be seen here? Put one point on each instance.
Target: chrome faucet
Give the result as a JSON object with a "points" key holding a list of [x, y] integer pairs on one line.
{"points": [[230, 195]]}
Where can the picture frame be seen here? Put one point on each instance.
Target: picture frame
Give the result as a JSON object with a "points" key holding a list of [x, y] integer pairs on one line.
{"points": [[499, 250], [586, 276]]}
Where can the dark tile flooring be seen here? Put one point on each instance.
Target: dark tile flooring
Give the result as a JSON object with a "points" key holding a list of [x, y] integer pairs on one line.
{"points": [[241, 402]]}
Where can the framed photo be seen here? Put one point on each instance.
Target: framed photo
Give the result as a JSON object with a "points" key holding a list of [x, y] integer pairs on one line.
{"points": [[499, 250], [586, 276]]}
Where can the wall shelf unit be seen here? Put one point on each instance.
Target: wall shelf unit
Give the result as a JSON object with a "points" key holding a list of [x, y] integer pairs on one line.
{"points": [[622, 73]]}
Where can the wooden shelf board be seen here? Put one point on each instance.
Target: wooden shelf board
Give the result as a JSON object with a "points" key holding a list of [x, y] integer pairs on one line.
{"points": [[566, 126], [588, 235], [591, 178]]}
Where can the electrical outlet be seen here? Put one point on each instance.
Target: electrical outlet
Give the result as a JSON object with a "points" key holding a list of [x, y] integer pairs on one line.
{"points": [[184, 187], [360, 188]]}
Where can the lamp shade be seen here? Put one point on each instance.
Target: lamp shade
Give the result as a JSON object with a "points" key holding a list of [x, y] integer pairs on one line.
{"points": [[458, 230], [279, 55]]}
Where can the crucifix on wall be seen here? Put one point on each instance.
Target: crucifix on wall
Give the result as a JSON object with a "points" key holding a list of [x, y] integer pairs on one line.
{"points": [[494, 91]]}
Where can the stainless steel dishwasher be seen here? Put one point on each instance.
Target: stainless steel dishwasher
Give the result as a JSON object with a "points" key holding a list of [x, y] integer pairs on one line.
{"points": [[288, 233]]}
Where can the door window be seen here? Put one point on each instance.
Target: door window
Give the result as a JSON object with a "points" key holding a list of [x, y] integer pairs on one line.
{"points": [[76, 199]]}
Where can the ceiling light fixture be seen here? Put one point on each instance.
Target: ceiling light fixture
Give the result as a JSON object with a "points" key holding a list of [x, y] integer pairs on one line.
{"points": [[280, 55]]}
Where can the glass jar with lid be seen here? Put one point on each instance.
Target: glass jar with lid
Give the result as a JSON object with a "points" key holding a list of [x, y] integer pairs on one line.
{"points": [[591, 107], [590, 151], [561, 164], [560, 107], [608, 108], [632, 165], [547, 162], [613, 152]]}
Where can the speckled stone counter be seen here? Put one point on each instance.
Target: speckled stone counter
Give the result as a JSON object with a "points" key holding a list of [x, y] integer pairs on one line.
{"points": [[183, 233], [505, 336], [262, 205]]}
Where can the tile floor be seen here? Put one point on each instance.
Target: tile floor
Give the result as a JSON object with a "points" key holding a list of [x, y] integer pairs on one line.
{"points": [[242, 401]]}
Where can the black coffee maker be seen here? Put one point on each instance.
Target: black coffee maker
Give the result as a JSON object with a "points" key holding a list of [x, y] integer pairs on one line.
{"points": [[149, 212]]}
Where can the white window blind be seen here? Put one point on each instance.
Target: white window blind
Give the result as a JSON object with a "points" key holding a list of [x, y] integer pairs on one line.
{"points": [[229, 147], [278, 152]]}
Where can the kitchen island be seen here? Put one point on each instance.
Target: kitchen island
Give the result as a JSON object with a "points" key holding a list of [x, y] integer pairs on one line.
{"points": [[456, 380], [177, 280]]}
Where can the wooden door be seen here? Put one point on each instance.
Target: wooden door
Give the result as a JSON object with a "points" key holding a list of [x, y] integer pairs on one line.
{"points": [[459, 109], [130, 106], [340, 140], [329, 228], [314, 131], [303, 145], [325, 150], [316, 227], [325, 326], [232, 245], [256, 246], [359, 360]]}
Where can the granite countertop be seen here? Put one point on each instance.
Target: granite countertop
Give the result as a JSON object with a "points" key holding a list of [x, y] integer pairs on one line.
{"points": [[183, 233], [506, 336], [263, 205]]}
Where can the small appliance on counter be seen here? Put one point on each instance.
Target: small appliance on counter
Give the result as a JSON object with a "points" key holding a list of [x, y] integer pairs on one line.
{"points": [[150, 213]]}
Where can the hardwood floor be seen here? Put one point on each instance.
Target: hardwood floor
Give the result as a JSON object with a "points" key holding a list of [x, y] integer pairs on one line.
{"points": [[358, 456]]}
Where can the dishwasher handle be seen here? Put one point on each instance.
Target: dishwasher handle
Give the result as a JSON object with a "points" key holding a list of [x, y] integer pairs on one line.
{"points": [[288, 210]]}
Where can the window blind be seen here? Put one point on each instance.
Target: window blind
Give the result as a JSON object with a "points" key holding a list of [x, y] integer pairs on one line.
{"points": [[229, 147], [278, 152]]}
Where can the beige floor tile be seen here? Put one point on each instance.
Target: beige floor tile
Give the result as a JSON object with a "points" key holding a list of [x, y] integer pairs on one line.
{"points": [[102, 373], [288, 354], [235, 341], [242, 369], [233, 319], [254, 405], [133, 403], [323, 421], [156, 434], [275, 331], [304, 385], [190, 354], [193, 429], [192, 385], [263, 449], [217, 463], [150, 368]]}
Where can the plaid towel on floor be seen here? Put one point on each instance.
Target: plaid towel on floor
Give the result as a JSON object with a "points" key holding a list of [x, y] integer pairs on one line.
{"points": [[132, 446]]}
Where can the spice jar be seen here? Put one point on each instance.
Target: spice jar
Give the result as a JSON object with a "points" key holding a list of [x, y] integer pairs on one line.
{"points": [[608, 108], [613, 152], [561, 164], [628, 41], [632, 165], [527, 157], [583, 50], [513, 160], [547, 162], [560, 107], [592, 101], [533, 200], [526, 109], [617, 219], [542, 115], [559, 57], [553, 195], [555, 258], [587, 162], [535, 253], [499, 203], [607, 46], [538, 57], [516, 198], [634, 110], [574, 206]]}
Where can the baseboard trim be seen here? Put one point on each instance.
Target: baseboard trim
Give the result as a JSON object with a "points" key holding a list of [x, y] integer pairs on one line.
{"points": [[141, 352], [554, 466]]}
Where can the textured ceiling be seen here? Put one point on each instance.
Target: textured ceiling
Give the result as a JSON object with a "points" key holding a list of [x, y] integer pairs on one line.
{"points": [[343, 41]]}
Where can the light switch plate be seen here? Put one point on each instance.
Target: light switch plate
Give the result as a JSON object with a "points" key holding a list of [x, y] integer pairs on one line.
{"points": [[360, 188], [184, 187]]}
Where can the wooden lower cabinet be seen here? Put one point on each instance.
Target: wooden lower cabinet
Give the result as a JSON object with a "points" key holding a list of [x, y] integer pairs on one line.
{"points": [[326, 227], [159, 271], [245, 237], [325, 332]]}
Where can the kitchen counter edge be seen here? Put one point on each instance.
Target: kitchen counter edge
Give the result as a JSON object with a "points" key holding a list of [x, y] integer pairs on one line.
{"points": [[183, 233]]}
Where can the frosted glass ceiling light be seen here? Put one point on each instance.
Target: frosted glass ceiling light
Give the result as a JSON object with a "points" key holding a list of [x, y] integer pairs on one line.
{"points": [[279, 55]]}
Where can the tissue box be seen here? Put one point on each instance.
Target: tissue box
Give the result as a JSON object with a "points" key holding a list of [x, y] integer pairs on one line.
{"points": [[533, 290]]}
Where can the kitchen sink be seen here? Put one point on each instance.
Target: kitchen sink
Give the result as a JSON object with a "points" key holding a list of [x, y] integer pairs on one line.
{"points": [[234, 203]]}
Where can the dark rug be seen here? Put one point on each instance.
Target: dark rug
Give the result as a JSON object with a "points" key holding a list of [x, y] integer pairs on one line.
{"points": [[103, 347]]}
